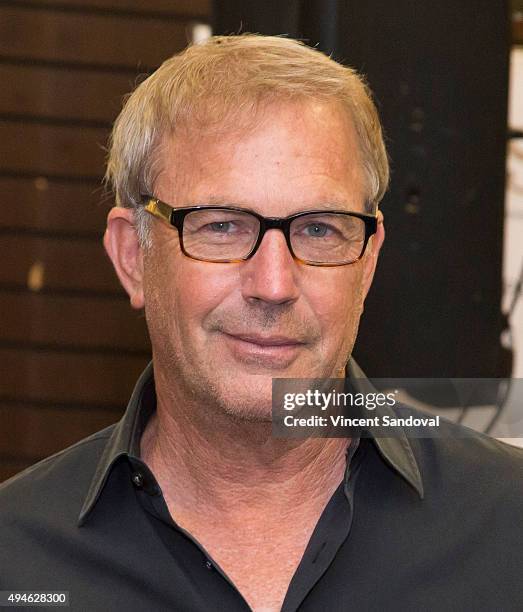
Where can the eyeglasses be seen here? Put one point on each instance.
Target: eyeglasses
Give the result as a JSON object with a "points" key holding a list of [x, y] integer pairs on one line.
{"points": [[227, 234]]}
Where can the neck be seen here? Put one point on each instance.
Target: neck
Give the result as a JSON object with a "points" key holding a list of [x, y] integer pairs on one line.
{"points": [[227, 467]]}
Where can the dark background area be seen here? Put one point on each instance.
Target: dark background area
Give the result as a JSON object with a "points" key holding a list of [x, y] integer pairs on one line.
{"points": [[439, 72], [71, 347]]}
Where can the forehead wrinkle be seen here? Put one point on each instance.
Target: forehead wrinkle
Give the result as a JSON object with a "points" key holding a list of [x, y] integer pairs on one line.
{"points": [[328, 198], [189, 179]]}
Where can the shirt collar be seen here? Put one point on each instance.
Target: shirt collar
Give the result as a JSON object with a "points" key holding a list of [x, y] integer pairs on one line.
{"points": [[126, 435], [397, 450]]}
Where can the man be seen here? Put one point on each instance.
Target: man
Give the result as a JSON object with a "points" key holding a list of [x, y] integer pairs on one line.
{"points": [[248, 172]]}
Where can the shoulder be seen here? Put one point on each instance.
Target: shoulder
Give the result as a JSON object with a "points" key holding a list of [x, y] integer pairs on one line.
{"points": [[54, 484], [464, 464]]}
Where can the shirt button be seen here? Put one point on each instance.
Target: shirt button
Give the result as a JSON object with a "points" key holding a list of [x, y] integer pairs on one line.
{"points": [[208, 565], [137, 479]]}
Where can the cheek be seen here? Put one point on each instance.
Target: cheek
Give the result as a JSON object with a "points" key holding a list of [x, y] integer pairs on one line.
{"points": [[163, 298], [194, 290], [338, 305]]}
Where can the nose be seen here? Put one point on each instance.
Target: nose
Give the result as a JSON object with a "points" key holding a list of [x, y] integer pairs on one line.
{"points": [[270, 275]]}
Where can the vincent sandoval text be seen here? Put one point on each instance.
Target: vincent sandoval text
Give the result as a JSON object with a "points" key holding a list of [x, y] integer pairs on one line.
{"points": [[377, 421]]}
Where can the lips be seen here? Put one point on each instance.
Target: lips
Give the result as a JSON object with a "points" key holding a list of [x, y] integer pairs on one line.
{"points": [[272, 352], [261, 340]]}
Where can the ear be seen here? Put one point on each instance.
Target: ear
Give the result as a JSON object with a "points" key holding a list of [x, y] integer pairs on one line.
{"points": [[122, 246], [371, 256]]}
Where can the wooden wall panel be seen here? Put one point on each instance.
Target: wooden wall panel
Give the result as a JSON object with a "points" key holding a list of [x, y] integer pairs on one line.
{"points": [[58, 207], [68, 378], [63, 95], [71, 347], [48, 149], [185, 9], [91, 39], [56, 265], [85, 323]]}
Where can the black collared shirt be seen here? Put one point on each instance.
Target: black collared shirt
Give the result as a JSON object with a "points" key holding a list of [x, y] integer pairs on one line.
{"points": [[416, 524]]}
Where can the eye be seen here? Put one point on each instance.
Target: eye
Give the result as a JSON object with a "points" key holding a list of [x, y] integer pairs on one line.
{"points": [[221, 227], [219, 224], [317, 230], [311, 229]]}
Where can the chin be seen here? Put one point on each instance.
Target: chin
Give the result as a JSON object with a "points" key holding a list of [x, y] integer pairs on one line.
{"points": [[246, 399], [243, 413]]}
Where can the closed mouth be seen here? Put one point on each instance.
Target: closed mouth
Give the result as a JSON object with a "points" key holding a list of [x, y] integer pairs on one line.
{"points": [[266, 340]]}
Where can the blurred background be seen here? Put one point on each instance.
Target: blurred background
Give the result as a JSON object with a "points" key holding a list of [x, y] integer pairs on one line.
{"points": [[448, 80]]}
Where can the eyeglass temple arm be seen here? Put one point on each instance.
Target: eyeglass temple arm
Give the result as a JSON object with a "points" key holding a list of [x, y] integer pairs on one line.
{"points": [[159, 209]]}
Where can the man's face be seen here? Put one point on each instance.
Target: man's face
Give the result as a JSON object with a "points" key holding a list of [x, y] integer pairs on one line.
{"points": [[221, 332]]}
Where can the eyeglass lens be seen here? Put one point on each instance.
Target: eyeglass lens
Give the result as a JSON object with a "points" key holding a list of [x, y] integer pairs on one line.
{"points": [[223, 234]]}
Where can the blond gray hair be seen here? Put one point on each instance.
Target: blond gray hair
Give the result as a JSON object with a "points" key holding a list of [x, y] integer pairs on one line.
{"points": [[228, 77]]}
